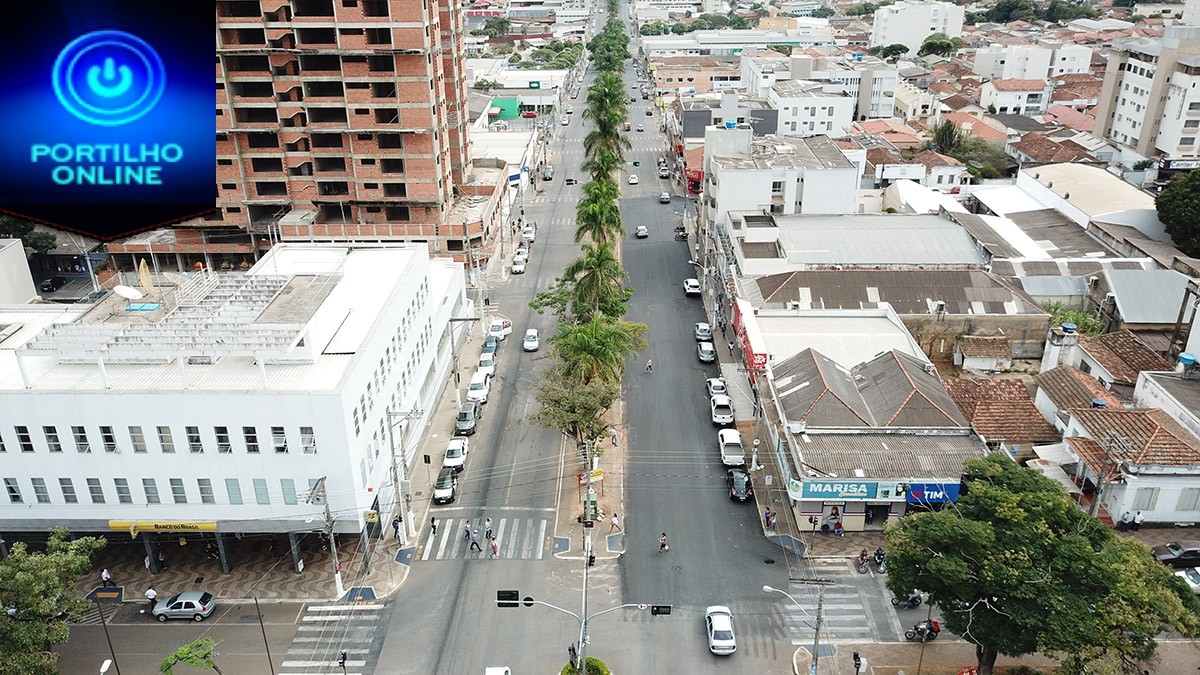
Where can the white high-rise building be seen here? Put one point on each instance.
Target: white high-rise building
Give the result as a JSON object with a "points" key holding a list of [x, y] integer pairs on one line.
{"points": [[1047, 59], [909, 23], [214, 406], [871, 81]]}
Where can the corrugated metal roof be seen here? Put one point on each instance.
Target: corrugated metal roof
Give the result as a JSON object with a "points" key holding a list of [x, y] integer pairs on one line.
{"points": [[848, 341], [1147, 296], [1054, 287], [877, 240], [889, 455]]}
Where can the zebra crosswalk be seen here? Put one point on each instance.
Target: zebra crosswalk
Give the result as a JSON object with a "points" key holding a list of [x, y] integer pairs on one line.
{"points": [[517, 537], [325, 632], [855, 607]]}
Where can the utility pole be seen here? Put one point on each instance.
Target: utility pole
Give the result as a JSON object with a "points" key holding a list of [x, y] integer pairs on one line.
{"points": [[816, 654], [478, 278], [1119, 444], [588, 561], [399, 473], [318, 493]]}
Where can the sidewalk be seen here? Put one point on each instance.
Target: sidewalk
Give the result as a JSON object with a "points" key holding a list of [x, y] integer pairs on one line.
{"points": [[569, 532]]}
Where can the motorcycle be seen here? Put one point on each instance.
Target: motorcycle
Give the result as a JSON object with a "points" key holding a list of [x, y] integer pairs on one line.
{"points": [[680, 228], [880, 559], [924, 631], [681, 236], [912, 602], [863, 561]]}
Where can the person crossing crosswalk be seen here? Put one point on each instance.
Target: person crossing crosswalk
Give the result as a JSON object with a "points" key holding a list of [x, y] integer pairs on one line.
{"points": [[517, 537]]}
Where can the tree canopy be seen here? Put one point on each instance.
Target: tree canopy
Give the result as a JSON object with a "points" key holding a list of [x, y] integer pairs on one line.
{"points": [[12, 227], [1015, 567], [198, 654], [39, 587], [1179, 209]]}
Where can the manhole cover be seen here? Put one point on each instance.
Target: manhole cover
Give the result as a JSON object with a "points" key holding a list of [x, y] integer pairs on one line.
{"points": [[769, 561], [675, 568]]}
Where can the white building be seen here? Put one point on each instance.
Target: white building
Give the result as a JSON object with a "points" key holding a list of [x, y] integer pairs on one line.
{"points": [[913, 103], [870, 80], [731, 42], [1150, 104], [1016, 97], [1046, 59], [217, 404], [776, 175], [812, 108], [909, 23], [16, 283]]}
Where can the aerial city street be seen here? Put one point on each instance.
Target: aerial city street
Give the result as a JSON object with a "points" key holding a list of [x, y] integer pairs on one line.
{"points": [[660, 337]]}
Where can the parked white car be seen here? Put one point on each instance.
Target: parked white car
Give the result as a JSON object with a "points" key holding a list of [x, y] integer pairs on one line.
{"points": [[531, 343], [518, 266], [722, 410], [528, 233], [691, 287], [730, 443], [501, 328], [480, 387], [487, 364], [716, 386], [456, 454]]}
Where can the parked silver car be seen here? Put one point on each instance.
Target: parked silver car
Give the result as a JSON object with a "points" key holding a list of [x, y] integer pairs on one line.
{"points": [[193, 605]]}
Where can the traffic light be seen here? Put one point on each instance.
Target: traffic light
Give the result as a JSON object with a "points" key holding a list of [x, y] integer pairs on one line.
{"points": [[508, 598], [656, 610], [591, 560]]}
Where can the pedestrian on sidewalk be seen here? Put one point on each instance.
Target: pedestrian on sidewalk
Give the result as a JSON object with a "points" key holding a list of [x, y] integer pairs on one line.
{"points": [[1123, 524], [396, 526], [475, 542], [467, 530], [487, 529], [731, 348], [613, 431], [106, 578], [152, 598], [495, 549], [162, 561], [754, 465], [616, 524], [771, 521], [1138, 518], [662, 543], [433, 525], [649, 366]]}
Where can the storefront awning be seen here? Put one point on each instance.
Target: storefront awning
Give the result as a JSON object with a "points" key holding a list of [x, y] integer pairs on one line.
{"points": [[1055, 472]]}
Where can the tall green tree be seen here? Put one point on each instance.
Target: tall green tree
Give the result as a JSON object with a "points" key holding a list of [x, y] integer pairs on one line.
{"points": [[598, 216], [39, 587], [1179, 210], [597, 277], [575, 410], [12, 227], [598, 348], [1015, 567], [198, 654]]}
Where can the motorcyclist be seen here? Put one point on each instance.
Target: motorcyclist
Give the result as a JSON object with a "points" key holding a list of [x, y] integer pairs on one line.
{"points": [[930, 627], [863, 557], [879, 556]]}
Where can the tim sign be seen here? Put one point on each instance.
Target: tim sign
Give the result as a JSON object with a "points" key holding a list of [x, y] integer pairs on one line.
{"points": [[932, 493]]}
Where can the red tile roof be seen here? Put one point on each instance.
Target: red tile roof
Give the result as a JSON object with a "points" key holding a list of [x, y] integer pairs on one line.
{"points": [[877, 156], [1071, 117], [1038, 148], [1068, 387], [974, 125], [1123, 355], [1141, 436], [1019, 85], [1001, 410], [933, 159], [973, 346]]}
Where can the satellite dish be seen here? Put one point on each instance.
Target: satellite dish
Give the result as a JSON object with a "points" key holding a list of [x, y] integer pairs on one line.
{"points": [[129, 292]]}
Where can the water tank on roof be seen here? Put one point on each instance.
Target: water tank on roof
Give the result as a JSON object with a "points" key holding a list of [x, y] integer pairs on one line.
{"points": [[731, 124], [1068, 328], [1098, 403], [1187, 358]]}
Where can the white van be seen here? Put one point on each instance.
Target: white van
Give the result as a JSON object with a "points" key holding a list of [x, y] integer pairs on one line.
{"points": [[481, 385]]}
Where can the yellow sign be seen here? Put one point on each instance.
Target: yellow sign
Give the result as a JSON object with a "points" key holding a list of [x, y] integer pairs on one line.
{"points": [[162, 526], [372, 516]]}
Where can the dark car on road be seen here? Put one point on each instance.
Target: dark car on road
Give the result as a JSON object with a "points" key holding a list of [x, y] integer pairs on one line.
{"points": [[1178, 554], [53, 284], [739, 485]]}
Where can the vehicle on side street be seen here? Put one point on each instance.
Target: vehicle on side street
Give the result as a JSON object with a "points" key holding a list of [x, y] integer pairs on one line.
{"points": [[718, 622], [53, 284], [531, 342], [468, 418], [548, 173], [641, 232], [641, 127], [480, 387], [722, 410], [663, 171], [716, 386], [518, 266], [730, 443], [691, 287], [627, 126], [706, 352], [1178, 554], [702, 331], [633, 179], [570, 109], [664, 198], [191, 605], [445, 489], [738, 481], [456, 454], [487, 364], [1191, 576], [529, 114], [528, 234], [566, 121], [501, 328], [490, 344]]}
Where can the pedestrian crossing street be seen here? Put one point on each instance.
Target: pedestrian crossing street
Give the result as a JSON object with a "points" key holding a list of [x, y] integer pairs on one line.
{"points": [[518, 536], [325, 631], [856, 608]]}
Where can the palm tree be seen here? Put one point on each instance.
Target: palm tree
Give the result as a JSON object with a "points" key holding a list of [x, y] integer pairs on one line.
{"points": [[596, 277], [597, 349], [598, 220], [599, 141], [601, 164]]}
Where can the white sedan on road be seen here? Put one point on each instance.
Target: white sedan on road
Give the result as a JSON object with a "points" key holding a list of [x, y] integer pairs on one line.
{"points": [[531, 343], [718, 622], [691, 287], [633, 179]]}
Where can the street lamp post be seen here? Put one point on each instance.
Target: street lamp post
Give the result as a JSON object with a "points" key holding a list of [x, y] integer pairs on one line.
{"points": [[87, 260], [816, 655]]}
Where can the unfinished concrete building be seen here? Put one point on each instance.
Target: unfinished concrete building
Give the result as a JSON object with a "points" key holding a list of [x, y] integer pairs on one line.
{"points": [[337, 120]]}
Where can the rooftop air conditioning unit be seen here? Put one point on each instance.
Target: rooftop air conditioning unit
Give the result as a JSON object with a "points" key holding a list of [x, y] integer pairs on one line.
{"points": [[797, 428]]}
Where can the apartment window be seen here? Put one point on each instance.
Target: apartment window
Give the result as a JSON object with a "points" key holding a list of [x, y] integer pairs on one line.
{"points": [[109, 439], [195, 444], [40, 491], [2, 448], [81, 439], [124, 496], [1190, 140], [1194, 106], [279, 439], [52, 441], [308, 441], [14, 490], [251, 436], [1145, 499], [138, 439], [95, 490], [234, 489], [1191, 124], [68, 490], [1189, 500], [206, 491], [151, 490], [165, 440], [777, 187], [223, 445], [24, 439], [178, 493], [289, 490], [260, 491]]}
